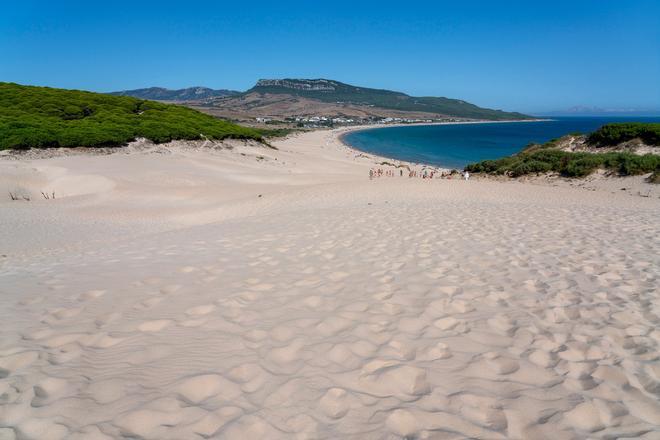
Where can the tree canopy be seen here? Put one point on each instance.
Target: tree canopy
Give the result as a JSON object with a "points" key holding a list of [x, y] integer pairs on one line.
{"points": [[43, 117]]}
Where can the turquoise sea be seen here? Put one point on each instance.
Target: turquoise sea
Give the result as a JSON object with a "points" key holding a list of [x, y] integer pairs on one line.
{"points": [[454, 146]]}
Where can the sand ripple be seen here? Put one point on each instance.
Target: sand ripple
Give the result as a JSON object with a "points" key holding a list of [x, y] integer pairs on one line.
{"points": [[408, 319]]}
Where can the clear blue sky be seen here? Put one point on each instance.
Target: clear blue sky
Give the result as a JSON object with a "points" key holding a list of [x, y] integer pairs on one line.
{"points": [[528, 56]]}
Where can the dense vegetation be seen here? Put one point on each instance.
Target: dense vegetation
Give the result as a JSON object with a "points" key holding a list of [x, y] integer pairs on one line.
{"points": [[43, 117], [568, 164], [614, 134], [384, 98], [549, 157]]}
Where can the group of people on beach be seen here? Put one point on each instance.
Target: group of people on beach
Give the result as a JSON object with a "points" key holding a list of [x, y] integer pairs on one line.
{"points": [[424, 174]]}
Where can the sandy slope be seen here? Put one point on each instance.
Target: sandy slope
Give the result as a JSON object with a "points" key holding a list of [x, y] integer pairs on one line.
{"points": [[164, 299]]}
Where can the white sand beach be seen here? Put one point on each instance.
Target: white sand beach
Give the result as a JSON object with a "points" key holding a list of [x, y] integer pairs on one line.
{"points": [[192, 291]]}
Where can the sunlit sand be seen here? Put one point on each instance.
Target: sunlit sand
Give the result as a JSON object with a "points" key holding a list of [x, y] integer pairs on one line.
{"points": [[191, 291]]}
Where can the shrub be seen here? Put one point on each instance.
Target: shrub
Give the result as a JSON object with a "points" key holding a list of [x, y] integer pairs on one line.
{"points": [[546, 157], [582, 165], [43, 117], [568, 164], [616, 133]]}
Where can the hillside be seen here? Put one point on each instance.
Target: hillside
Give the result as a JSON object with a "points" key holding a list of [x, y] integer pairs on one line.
{"points": [[620, 148], [43, 117], [187, 94], [296, 100], [330, 91]]}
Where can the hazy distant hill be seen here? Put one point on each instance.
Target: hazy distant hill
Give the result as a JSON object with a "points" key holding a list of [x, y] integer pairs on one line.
{"points": [[335, 92], [188, 94], [581, 110]]}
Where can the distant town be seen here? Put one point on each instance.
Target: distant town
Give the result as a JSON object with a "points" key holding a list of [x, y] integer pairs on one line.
{"points": [[330, 121]]}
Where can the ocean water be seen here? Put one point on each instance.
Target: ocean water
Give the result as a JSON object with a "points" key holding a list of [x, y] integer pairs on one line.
{"points": [[454, 146]]}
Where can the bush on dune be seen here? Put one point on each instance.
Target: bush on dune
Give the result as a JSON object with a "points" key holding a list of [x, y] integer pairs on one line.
{"points": [[42, 117], [568, 164], [616, 133], [536, 159]]}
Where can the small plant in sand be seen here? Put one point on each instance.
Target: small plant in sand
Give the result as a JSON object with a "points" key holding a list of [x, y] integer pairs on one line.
{"points": [[17, 196]]}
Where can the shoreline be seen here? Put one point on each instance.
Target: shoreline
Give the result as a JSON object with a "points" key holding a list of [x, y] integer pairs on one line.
{"points": [[598, 181], [355, 129]]}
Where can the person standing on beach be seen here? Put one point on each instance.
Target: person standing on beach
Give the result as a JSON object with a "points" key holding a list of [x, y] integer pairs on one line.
{"points": [[467, 176], [371, 174]]}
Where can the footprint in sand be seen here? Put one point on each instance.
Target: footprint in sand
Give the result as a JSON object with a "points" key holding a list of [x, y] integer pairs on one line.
{"points": [[338, 276], [400, 349], [31, 301], [392, 309], [412, 326], [461, 306], [90, 295], [146, 423], [313, 301], [188, 269], [335, 403], [62, 339], [403, 423], [543, 358], [481, 410], [380, 296], [333, 325], [193, 322], [60, 314], [65, 353], [578, 351], [195, 390], [263, 287], [91, 432], [38, 334], [251, 427], [170, 289], [585, 417], [201, 310], [251, 377], [211, 424], [49, 390], [154, 326], [500, 364], [102, 340], [148, 354], [386, 377], [447, 323], [342, 355], [42, 429], [579, 375], [147, 303], [287, 354], [14, 362], [438, 352], [283, 333], [106, 391], [107, 318], [503, 325]]}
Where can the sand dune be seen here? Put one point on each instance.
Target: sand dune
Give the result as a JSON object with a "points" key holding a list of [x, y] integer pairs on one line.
{"points": [[160, 297]]}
